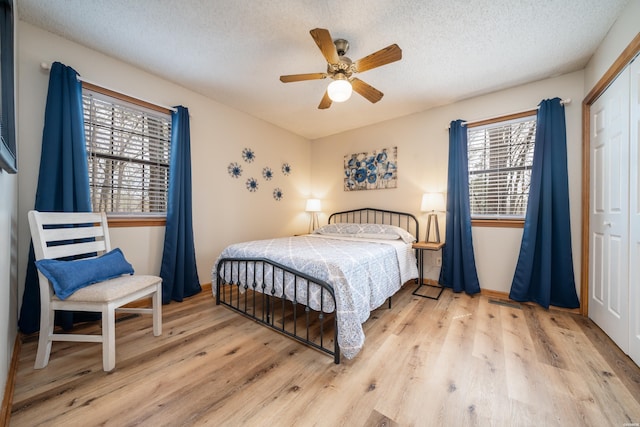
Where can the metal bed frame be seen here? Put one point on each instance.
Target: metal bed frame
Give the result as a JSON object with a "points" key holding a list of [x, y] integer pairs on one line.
{"points": [[293, 317]]}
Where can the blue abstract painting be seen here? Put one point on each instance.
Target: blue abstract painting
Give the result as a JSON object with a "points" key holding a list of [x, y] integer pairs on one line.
{"points": [[371, 171]]}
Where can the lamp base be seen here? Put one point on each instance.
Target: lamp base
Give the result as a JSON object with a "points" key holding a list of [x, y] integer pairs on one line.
{"points": [[437, 231], [313, 221]]}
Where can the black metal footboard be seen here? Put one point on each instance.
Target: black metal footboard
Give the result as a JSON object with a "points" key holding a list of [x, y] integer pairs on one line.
{"points": [[281, 298]]}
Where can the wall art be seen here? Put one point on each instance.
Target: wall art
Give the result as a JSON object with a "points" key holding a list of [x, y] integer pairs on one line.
{"points": [[234, 169], [371, 171], [267, 173], [252, 185], [248, 155]]}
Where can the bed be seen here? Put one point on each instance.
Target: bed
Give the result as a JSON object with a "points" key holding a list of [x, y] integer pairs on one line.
{"points": [[320, 288]]}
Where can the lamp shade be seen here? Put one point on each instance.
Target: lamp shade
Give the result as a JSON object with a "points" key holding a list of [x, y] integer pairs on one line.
{"points": [[339, 90], [432, 202], [313, 205]]}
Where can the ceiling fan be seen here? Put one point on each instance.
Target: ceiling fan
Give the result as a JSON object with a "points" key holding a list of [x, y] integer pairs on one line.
{"points": [[341, 69]]}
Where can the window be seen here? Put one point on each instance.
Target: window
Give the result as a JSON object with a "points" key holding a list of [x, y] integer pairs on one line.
{"points": [[500, 160], [8, 160], [128, 154]]}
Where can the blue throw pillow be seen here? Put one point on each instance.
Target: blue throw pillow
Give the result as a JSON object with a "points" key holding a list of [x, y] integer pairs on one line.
{"points": [[66, 277]]}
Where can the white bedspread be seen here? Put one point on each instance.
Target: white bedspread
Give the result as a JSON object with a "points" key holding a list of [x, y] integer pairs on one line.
{"points": [[363, 273]]}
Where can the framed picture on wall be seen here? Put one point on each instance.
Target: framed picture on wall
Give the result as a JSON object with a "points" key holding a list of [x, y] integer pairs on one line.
{"points": [[371, 170], [8, 159]]}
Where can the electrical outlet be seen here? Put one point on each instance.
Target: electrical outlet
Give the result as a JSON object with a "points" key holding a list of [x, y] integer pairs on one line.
{"points": [[439, 261]]}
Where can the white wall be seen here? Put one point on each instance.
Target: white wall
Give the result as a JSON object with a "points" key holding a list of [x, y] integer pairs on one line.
{"points": [[8, 272], [223, 210], [422, 141], [617, 39], [8, 264]]}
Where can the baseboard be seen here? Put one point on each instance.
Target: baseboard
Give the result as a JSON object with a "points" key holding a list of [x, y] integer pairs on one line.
{"points": [[503, 296], [146, 302], [495, 294], [7, 400]]}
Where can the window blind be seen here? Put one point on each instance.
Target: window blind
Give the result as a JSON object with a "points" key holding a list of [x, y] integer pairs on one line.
{"points": [[500, 158], [128, 150]]}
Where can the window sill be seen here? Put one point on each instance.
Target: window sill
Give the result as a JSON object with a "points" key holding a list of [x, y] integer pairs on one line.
{"points": [[118, 221], [498, 223]]}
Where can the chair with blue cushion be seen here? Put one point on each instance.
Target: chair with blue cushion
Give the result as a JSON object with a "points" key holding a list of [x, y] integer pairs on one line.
{"points": [[78, 271]]}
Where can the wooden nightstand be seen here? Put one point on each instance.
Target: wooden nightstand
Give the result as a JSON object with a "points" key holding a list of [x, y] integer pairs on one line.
{"points": [[420, 247]]}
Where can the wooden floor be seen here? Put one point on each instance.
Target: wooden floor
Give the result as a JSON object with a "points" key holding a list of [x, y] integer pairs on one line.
{"points": [[458, 361]]}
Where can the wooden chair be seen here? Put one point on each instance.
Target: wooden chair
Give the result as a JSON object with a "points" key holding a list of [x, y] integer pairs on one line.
{"points": [[104, 297]]}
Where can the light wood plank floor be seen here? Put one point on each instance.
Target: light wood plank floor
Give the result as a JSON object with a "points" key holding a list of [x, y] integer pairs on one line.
{"points": [[458, 361]]}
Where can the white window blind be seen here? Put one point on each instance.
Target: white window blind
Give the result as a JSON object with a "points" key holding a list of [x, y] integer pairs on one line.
{"points": [[128, 155], [500, 160]]}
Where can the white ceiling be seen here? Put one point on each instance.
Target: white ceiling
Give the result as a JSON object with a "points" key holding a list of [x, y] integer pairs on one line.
{"points": [[233, 51]]}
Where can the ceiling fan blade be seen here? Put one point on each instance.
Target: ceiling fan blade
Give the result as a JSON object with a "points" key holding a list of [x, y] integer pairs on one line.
{"points": [[366, 90], [326, 101], [325, 43], [300, 77], [384, 56]]}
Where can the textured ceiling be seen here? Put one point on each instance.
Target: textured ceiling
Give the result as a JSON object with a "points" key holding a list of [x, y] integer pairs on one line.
{"points": [[233, 51]]}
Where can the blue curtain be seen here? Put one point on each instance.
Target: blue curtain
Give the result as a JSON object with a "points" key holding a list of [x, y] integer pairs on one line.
{"points": [[178, 271], [458, 262], [63, 180], [544, 273]]}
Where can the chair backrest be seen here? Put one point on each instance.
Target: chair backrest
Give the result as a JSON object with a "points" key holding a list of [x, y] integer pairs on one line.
{"points": [[66, 234]]}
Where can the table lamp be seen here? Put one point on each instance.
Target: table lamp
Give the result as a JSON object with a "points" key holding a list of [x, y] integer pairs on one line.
{"points": [[432, 203], [313, 207]]}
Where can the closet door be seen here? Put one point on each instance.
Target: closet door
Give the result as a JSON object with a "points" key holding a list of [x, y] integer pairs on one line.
{"points": [[634, 211], [609, 212]]}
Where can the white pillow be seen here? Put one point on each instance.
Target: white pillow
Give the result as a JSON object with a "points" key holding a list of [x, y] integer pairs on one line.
{"points": [[364, 236], [369, 231]]}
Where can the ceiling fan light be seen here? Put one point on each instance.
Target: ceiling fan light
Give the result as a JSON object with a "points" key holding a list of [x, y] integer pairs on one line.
{"points": [[339, 90]]}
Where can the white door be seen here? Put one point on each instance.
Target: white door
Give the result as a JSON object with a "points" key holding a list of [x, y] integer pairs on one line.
{"points": [[634, 211], [609, 212]]}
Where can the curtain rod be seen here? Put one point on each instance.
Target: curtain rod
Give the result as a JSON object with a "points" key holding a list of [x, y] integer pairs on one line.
{"points": [[47, 67], [562, 102]]}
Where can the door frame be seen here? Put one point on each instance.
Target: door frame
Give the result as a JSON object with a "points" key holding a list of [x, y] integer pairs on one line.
{"points": [[625, 58]]}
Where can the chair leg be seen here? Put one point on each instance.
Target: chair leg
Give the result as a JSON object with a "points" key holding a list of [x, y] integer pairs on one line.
{"points": [[156, 302], [108, 338], [44, 338]]}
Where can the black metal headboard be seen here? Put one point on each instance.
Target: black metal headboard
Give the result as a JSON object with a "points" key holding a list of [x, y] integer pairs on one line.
{"points": [[403, 220]]}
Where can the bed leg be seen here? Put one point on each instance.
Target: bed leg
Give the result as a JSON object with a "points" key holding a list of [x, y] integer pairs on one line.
{"points": [[268, 309], [389, 303]]}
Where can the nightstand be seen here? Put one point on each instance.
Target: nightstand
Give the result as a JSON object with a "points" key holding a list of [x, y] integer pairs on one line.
{"points": [[420, 247]]}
